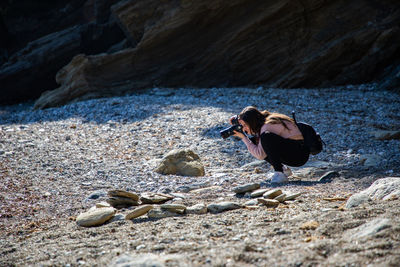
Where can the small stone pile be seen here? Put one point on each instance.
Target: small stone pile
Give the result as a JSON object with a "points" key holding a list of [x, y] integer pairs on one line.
{"points": [[155, 206], [264, 196]]}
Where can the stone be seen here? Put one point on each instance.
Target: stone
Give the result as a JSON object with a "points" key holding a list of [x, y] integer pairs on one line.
{"points": [[139, 211], [270, 203], [95, 217], [181, 162], [197, 209], [121, 202], [280, 198], [251, 202], [159, 214], [246, 188], [121, 193], [292, 196], [96, 195], [178, 208], [103, 204], [258, 192], [386, 135], [383, 189], [223, 206], [327, 177], [271, 194], [154, 198]]}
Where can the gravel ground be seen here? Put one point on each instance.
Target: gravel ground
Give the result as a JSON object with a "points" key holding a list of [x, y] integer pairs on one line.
{"points": [[54, 161]]}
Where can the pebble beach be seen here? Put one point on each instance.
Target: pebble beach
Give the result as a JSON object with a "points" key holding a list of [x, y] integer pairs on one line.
{"points": [[55, 162]]}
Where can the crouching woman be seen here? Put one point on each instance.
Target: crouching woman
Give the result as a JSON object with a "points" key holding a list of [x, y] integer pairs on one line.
{"points": [[277, 140]]}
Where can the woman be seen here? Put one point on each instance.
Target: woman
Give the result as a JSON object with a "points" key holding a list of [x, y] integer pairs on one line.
{"points": [[277, 140]]}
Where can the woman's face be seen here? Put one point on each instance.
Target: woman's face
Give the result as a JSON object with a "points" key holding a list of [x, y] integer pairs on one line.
{"points": [[245, 126]]}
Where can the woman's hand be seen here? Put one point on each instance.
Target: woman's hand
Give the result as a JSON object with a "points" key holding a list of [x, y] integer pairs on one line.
{"points": [[238, 134], [232, 118]]}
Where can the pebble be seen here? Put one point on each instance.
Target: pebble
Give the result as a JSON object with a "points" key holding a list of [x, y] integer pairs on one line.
{"points": [[280, 198], [121, 202], [272, 193], [270, 203], [246, 188], [121, 193], [154, 198], [159, 213], [138, 212], [197, 209], [178, 208], [259, 192], [223, 206]]}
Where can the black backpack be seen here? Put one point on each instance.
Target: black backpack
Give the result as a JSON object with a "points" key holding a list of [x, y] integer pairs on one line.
{"points": [[312, 139]]}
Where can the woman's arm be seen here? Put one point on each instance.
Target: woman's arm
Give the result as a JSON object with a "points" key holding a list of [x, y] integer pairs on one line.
{"points": [[256, 150]]}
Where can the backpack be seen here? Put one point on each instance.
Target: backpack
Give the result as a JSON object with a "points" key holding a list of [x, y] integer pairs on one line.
{"points": [[312, 139]]}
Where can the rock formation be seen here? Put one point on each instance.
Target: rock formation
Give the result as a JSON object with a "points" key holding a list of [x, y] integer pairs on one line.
{"points": [[309, 43]]}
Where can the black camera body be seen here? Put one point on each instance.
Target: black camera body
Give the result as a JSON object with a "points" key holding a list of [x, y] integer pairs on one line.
{"points": [[235, 127]]}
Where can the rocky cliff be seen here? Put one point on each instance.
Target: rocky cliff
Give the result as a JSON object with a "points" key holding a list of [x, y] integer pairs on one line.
{"points": [[308, 43]]}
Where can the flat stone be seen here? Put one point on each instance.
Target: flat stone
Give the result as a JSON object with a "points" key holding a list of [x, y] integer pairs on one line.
{"points": [[154, 198], [223, 206], [121, 202], [292, 196], [251, 202], [197, 209], [178, 208], [159, 214], [95, 217], [138, 212], [270, 203], [103, 204], [121, 193], [281, 197], [271, 194], [246, 188], [258, 192]]}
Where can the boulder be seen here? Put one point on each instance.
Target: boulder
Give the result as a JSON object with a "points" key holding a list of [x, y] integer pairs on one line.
{"points": [[238, 43], [382, 189], [181, 162]]}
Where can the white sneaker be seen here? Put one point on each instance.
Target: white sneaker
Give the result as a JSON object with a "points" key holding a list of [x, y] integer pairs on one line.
{"points": [[287, 171], [279, 177]]}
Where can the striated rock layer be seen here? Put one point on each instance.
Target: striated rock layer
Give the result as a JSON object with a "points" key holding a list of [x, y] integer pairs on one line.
{"points": [[236, 43]]}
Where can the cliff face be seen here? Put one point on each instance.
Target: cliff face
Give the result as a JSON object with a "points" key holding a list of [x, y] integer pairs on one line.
{"points": [[283, 43]]}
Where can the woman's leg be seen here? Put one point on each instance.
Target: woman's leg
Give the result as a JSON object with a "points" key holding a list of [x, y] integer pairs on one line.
{"points": [[280, 151]]}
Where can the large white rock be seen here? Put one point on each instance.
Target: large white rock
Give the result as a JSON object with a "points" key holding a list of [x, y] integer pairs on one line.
{"points": [[382, 189], [181, 162]]}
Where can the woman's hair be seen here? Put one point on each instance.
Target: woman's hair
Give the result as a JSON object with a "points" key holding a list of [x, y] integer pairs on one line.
{"points": [[256, 119]]}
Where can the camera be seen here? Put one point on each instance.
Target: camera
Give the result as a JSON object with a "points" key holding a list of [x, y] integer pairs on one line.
{"points": [[235, 127]]}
